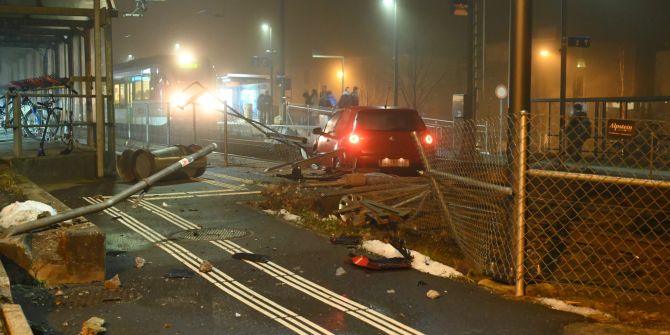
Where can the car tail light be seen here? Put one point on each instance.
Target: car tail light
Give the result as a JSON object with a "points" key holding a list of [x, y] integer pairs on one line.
{"points": [[428, 139], [354, 139]]}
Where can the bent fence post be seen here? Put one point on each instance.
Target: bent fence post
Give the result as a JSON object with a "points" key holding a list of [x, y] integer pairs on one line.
{"points": [[139, 186]]}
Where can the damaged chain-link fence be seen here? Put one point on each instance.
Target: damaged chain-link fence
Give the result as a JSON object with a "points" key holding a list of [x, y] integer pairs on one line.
{"points": [[596, 217]]}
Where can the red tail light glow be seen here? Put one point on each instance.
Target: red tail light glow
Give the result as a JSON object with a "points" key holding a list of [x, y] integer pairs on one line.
{"points": [[428, 139], [354, 139]]}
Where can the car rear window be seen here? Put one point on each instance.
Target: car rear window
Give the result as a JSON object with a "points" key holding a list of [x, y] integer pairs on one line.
{"points": [[389, 120]]}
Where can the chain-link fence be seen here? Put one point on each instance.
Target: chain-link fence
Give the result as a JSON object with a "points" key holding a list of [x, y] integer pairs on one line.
{"points": [[594, 220]]}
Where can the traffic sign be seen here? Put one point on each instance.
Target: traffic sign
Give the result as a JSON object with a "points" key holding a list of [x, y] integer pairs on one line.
{"points": [[579, 41], [501, 91]]}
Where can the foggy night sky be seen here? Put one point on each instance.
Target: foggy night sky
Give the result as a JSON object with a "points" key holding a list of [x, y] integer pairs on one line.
{"points": [[229, 33]]}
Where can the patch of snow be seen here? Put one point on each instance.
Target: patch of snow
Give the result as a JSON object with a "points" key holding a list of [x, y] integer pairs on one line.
{"points": [[565, 307], [420, 262], [286, 215], [22, 212], [269, 211]]}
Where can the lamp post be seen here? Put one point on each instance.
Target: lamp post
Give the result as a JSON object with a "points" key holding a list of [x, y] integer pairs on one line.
{"points": [[268, 30], [393, 5], [341, 58]]}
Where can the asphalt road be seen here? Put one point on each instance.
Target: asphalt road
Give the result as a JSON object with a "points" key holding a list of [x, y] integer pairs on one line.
{"points": [[298, 291]]}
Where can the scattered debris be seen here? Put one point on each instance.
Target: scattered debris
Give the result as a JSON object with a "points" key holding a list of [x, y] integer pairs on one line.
{"points": [[420, 262], [346, 240], [165, 205], [404, 262], [65, 324], [179, 274], [381, 264], [93, 326], [340, 271], [167, 325], [139, 262], [59, 293], [205, 267], [432, 294], [116, 253], [238, 315], [245, 256], [391, 291], [113, 283], [421, 283], [22, 212]]}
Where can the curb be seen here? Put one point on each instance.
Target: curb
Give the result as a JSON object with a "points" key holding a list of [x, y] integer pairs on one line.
{"points": [[14, 322]]}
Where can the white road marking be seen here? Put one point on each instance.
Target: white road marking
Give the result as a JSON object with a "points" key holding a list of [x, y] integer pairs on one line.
{"points": [[221, 184], [224, 282], [204, 195], [357, 310], [225, 176]]}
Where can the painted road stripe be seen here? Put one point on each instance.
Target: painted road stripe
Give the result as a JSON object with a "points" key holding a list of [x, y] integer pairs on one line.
{"points": [[224, 282], [365, 314], [220, 184], [229, 177], [188, 196]]}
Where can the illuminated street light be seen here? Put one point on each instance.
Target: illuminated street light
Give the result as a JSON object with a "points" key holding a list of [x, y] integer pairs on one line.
{"points": [[341, 58], [544, 53], [185, 58], [130, 57]]}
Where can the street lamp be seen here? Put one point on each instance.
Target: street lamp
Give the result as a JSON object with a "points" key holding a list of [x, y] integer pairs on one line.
{"points": [[267, 29], [341, 58], [393, 5]]}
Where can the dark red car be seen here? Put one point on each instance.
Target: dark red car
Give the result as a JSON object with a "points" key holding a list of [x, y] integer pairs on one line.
{"points": [[375, 137]]}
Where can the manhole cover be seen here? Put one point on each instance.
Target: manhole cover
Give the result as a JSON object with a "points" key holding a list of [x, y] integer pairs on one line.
{"points": [[210, 234], [94, 296]]}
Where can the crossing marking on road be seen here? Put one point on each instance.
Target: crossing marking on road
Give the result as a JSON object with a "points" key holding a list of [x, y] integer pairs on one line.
{"points": [[229, 177], [224, 282], [220, 184], [187, 195], [320, 293]]}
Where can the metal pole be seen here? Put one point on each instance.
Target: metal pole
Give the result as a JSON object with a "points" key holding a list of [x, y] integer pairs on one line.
{"points": [[520, 70], [111, 113], [90, 131], [395, 53], [342, 70], [146, 125], [564, 58], [282, 70], [225, 134], [142, 185], [195, 134], [99, 107], [501, 116], [168, 122], [17, 132], [520, 205]]}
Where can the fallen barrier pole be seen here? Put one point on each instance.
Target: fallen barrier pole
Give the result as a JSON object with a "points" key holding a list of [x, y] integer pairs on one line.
{"points": [[139, 186]]}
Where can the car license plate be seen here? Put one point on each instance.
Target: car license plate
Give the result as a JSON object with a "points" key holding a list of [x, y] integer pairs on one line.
{"points": [[394, 162]]}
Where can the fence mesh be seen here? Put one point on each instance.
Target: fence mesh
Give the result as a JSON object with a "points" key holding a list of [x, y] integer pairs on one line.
{"points": [[608, 234], [467, 159], [595, 222]]}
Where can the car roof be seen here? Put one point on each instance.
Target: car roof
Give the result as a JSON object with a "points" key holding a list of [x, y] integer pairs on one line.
{"points": [[356, 109]]}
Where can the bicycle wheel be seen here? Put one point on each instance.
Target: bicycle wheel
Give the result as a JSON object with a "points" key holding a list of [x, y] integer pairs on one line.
{"points": [[33, 117]]}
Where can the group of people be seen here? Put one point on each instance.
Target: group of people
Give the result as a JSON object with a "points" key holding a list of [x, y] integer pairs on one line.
{"points": [[327, 99]]}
